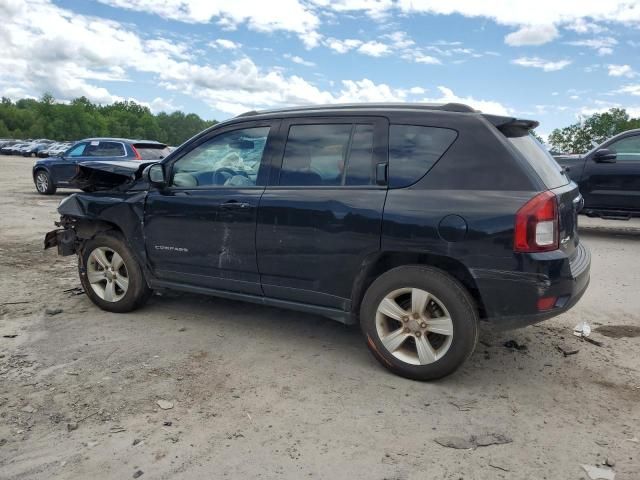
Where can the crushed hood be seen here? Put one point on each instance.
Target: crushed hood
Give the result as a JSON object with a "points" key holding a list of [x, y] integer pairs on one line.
{"points": [[98, 175]]}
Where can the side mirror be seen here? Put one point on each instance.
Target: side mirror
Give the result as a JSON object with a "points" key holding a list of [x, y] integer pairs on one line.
{"points": [[604, 155], [154, 174]]}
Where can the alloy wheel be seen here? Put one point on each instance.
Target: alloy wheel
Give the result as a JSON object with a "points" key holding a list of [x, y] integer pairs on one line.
{"points": [[414, 326], [42, 182], [107, 274]]}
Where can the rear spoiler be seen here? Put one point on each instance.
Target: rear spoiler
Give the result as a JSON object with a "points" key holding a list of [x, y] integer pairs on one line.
{"points": [[511, 126]]}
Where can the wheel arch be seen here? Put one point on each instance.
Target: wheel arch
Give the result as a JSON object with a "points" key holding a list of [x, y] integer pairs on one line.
{"points": [[382, 262]]}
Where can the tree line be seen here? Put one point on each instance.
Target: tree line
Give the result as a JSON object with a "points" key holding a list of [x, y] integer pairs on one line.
{"points": [[582, 136], [80, 118]]}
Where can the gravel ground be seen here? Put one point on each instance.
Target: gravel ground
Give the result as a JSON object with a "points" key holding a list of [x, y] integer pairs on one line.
{"points": [[258, 392]]}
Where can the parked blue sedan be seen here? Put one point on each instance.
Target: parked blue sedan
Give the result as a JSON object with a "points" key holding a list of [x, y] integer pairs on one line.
{"points": [[53, 172]]}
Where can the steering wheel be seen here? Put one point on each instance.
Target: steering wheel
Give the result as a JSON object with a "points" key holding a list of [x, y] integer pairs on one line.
{"points": [[223, 174]]}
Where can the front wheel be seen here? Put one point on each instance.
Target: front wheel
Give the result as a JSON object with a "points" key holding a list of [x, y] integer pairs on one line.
{"points": [[419, 322], [110, 275], [44, 183]]}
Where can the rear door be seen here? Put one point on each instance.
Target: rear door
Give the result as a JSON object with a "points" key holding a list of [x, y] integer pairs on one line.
{"points": [[320, 216], [614, 186]]}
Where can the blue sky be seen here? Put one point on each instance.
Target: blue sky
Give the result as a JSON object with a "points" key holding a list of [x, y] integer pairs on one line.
{"points": [[548, 60]]}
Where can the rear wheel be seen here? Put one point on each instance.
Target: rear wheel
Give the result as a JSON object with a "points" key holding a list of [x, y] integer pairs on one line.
{"points": [[111, 276], [419, 322], [44, 184]]}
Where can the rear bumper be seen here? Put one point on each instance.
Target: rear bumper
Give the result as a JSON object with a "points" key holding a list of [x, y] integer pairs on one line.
{"points": [[511, 298]]}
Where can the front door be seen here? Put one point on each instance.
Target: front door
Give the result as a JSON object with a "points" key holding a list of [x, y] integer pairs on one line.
{"points": [[64, 168], [320, 217], [615, 186], [200, 230]]}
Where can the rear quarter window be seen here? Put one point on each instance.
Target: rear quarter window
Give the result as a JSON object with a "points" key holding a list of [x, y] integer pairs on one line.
{"points": [[540, 160], [152, 153], [413, 150]]}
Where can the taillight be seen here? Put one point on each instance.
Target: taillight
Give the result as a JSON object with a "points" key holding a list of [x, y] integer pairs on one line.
{"points": [[537, 225], [138, 157]]}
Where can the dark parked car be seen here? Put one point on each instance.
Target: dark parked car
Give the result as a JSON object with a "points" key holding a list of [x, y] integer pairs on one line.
{"points": [[608, 176], [34, 148], [53, 172], [415, 221]]}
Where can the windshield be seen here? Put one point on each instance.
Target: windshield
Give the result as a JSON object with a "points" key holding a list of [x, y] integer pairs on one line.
{"points": [[539, 158]]}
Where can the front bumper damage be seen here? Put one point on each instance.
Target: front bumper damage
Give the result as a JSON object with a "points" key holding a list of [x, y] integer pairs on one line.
{"points": [[64, 238]]}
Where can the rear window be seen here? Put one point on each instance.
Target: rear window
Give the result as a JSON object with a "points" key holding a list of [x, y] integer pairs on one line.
{"points": [[540, 160], [151, 152], [413, 150]]}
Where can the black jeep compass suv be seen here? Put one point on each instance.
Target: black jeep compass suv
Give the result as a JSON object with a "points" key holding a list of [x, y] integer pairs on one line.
{"points": [[416, 221]]}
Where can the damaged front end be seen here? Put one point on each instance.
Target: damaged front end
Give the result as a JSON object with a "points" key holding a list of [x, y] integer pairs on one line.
{"points": [[64, 238], [96, 176], [115, 204]]}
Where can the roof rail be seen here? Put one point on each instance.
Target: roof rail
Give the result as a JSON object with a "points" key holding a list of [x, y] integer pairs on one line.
{"points": [[447, 107]]}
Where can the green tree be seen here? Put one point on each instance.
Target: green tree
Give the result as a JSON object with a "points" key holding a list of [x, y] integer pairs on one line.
{"points": [[580, 137]]}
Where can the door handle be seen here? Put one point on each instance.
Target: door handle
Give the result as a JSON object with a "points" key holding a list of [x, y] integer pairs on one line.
{"points": [[234, 204]]}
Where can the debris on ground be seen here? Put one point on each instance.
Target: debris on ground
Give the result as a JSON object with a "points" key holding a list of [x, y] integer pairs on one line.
{"points": [[597, 473], [583, 330], [597, 343], [72, 426], [610, 462], [10, 336], [168, 423], [513, 345], [499, 467], [136, 441], [117, 429], [74, 291], [138, 473], [28, 409], [165, 404], [53, 311], [566, 351], [473, 442], [464, 406]]}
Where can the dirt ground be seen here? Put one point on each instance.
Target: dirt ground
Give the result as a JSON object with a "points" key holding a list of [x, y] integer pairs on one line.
{"points": [[259, 392]]}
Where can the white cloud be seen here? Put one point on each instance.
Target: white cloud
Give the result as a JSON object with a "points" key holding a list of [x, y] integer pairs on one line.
{"points": [[582, 26], [399, 40], [546, 65], [633, 89], [343, 46], [225, 43], [486, 106], [621, 71], [374, 49], [367, 91], [299, 60], [532, 35], [602, 45], [292, 16]]}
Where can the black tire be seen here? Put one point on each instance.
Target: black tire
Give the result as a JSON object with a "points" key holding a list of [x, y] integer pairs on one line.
{"points": [[449, 292], [137, 293], [46, 186]]}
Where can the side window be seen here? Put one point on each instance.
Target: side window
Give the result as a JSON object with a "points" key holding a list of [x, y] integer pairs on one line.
{"points": [[328, 155], [77, 150], [105, 149], [627, 149], [413, 150], [231, 159]]}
